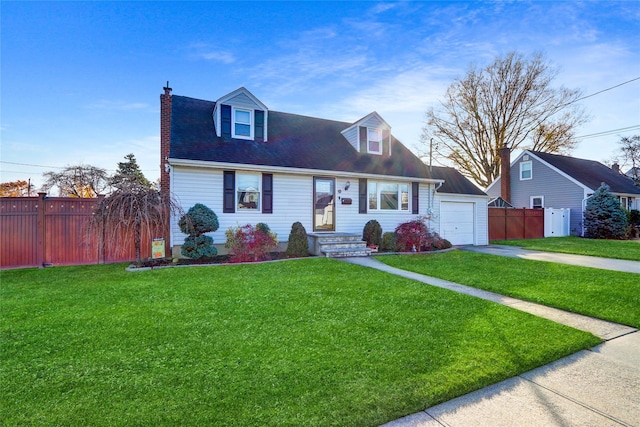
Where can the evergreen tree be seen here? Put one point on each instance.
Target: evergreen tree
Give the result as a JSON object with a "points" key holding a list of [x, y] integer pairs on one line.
{"points": [[604, 218], [129, 177]]}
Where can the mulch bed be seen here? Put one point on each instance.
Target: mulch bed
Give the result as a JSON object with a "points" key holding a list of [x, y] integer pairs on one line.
{"points": [[218, 259]]}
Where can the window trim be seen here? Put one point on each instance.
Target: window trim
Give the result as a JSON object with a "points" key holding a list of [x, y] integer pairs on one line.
{"points": [[530, 164], [379, 141], [536, 197], [258, 200], [378, 198], [624, 202], [251, 123]]}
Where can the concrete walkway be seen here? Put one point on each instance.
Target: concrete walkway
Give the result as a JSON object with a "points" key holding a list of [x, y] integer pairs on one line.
{"points": [[580, 260], [596, 387]]}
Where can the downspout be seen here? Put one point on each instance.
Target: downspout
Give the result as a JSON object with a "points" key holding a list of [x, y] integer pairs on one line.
{"points": [[584, 207]]}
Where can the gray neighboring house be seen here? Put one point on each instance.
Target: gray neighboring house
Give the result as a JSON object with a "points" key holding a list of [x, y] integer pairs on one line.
{"points": [[543, 180]]}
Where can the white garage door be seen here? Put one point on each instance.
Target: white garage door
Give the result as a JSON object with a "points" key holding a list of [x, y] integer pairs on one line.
{"points": [[457, 222]]}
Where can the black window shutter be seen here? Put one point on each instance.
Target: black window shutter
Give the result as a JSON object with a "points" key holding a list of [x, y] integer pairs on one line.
{"points": [[415, 187], [225, 113], [259, 130], [267, 193], [229, 189], [362, 195], [363, 139]]}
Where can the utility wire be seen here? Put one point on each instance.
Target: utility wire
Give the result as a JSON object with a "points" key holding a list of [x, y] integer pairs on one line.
{"points": [[604, 90], [608, 132], [61, 167]]}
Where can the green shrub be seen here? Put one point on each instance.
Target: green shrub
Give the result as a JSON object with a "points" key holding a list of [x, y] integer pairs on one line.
{"points": [[197, 247], [604, 218], [298, 245], [372, 233], [198, 220], [263, 227], [388, 243]]}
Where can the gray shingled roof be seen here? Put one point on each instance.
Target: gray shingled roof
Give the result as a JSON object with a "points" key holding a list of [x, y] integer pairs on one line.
{"points": [[295, 141], [590, 173]]}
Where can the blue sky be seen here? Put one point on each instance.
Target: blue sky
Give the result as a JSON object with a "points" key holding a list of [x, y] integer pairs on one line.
{"points": [[81, 81]]}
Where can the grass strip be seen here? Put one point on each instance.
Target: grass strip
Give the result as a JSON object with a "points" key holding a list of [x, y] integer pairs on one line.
{"points": [[618, 249], [608, 295], [312, 342]]}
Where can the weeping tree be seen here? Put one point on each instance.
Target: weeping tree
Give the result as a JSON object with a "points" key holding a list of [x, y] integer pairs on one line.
{"points": [[133, 207], [512, 103]]}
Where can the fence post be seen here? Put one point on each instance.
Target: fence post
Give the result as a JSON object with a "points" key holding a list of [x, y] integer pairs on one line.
{"points": [[40, 231], [101, 240]]}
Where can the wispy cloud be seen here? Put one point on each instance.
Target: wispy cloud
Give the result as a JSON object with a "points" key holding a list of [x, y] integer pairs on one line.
{"points": [[210, 52], [106, 104]]}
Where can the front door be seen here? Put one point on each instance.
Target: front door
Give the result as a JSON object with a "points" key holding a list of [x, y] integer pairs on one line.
{"points": [[324, 213]]}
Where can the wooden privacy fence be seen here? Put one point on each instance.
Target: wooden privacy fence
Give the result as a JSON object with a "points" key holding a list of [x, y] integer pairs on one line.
{"points": [[40, 231], [510, 223]]}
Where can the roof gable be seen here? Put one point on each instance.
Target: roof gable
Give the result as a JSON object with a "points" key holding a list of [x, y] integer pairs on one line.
{"points": [[588, 173], [296, 141], [240, 98]]}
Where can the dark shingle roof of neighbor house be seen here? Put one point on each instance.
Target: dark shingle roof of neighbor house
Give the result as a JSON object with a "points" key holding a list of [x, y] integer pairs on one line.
{"points": [[295, 141], [590, 173]]}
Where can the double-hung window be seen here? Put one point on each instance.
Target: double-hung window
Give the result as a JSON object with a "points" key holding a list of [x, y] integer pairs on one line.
{"points": [[242, 120], [248, 191], [388, 196], [374, 138], [525, 171]]}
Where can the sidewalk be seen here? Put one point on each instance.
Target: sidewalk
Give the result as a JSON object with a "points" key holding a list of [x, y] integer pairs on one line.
{"points": [[580, 260], [598, 387]]}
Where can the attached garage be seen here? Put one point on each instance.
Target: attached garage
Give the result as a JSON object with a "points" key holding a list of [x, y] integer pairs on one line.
{"points": [[457, 222]]}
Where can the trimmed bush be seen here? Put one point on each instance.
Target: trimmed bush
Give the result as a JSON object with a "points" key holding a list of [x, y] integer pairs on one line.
{"points": [[388, 243], [298, 245], [247, 243], [197, 247], [372, 233], [604, 218], [198, 220]]}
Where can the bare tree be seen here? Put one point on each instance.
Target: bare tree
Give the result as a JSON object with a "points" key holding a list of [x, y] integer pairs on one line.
{"points": [[630, 153], [509, 103], [82, 181]]}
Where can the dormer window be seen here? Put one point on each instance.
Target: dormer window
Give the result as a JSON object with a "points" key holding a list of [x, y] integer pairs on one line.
{"points": [[374, 138], [242, 123]]}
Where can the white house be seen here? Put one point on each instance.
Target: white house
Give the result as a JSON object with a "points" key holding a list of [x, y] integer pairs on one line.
{"points": [[250, 164]]}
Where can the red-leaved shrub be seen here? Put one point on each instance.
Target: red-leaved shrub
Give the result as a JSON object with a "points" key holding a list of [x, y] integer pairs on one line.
{"points": [[248, 244], [414, 235]]}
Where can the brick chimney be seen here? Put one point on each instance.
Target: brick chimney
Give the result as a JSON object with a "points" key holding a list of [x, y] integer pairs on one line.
{"points": [[505, 173], [165, 140]]}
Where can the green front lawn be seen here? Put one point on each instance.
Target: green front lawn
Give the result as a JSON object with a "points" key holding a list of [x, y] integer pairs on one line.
{"points": [[304, 342], [619, 249], [608, 295]]}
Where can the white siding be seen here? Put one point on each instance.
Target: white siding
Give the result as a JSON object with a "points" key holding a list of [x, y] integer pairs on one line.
{"points": [[243, 101], [351, 135], [293, 201]]}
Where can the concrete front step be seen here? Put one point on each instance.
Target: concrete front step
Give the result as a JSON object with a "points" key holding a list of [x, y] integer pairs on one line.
{"points": [[338, 245], [342, 253]]}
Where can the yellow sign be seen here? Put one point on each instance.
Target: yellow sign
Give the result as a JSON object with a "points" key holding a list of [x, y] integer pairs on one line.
{"points": [[157, 248]]}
